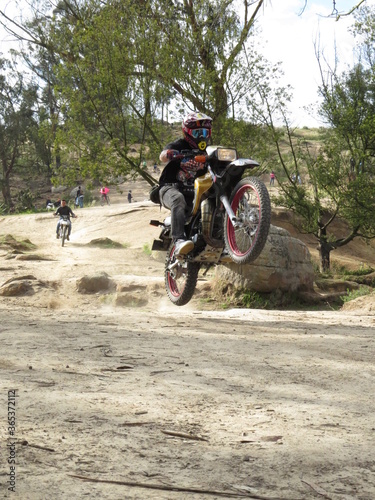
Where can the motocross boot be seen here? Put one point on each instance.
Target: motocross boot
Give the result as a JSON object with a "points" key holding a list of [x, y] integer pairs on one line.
{"points": [[183, 247]]}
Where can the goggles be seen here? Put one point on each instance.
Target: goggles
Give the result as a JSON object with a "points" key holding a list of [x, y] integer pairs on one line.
{"points": [[200, 132]]}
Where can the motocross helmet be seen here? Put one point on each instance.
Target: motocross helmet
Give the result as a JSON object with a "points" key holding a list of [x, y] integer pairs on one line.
{"points": [[197, 129]]}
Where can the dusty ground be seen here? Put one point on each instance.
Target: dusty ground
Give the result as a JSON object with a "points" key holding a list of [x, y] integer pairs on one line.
{"points": [[141, 399]]}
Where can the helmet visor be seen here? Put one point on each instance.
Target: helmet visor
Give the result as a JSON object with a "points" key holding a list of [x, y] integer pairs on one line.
{"points": [[200, 132]]}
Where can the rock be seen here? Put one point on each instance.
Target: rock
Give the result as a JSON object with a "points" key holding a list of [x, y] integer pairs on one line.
{"points": [[30, 256], [135, 299], [58, 189], [73, 193], [365, 279], [105, 243], [8, 241], [285, 264], [15, 288], [92, 284], [130, 287], [20, 278], [330, 285]]}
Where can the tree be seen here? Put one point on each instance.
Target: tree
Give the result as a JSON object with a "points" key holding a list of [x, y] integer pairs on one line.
{"points": [[339, 176], [118, 63], [16, 117]]}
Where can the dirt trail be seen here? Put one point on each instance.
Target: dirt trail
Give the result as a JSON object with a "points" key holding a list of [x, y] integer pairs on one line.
{"points": [[141, 400]]}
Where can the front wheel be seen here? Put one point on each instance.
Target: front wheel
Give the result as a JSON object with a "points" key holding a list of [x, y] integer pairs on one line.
{"points": [[251, 205], [63, 235], [180, 278]]}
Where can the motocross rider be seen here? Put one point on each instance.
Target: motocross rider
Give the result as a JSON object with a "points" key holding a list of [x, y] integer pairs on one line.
{"points": [[177, 179], [64, 210]]}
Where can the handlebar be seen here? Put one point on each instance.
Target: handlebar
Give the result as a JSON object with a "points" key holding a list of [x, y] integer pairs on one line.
{"points": [[198, 156]]}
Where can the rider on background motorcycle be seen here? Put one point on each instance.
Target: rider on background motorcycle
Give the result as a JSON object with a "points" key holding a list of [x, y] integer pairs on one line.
{"points": [[64, 210], [177, 179]]}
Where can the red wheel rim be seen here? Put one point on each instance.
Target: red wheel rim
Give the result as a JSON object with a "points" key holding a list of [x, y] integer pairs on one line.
{"points": [[232, 239]]}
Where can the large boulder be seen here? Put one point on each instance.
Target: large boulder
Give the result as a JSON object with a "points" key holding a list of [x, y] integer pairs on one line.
{"points": [[284, 264]]}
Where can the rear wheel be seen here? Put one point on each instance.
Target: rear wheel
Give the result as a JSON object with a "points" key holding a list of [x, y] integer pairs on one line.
{"points": [[63, 235], [251, 205], [180, 278]]}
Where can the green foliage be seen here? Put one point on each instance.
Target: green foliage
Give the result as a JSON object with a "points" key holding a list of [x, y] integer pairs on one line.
{"points": [[25, 201], [338, 181], [251, 299], [3, 209], [354, 294], [17, 99], [147, 249], [363, 270], [113, 70]]}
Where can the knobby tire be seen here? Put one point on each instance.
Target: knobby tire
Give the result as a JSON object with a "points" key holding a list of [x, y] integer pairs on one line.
{"points": [[180, 286], [251, 204], [63, 235]]}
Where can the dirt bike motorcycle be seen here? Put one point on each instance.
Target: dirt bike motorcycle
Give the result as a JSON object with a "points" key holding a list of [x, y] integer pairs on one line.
{"points": [[228, 222], [63, 228]]}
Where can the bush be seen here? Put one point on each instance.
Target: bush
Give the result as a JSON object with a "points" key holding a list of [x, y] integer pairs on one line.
{"points": [[25, 201], [354, 294]]}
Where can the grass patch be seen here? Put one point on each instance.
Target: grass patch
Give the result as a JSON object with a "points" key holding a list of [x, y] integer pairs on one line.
{"points": [[253, 300], [354, 294], [147, 249], [228, 296]]}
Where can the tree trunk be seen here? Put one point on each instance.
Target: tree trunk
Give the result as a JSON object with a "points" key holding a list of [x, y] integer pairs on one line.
{"points": [[4, 182], [324, 257], [5, 190], [324, 250]]}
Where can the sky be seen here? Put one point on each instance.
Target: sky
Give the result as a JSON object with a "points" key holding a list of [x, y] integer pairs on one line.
{"points": [[288, 37]]}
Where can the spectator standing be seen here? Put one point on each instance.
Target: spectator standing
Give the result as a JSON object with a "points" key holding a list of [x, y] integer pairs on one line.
{"points": [[130, 196], [79, 197], [272, 178], [104, 195]]}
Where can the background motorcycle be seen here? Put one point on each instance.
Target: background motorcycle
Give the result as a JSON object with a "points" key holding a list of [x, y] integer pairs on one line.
{"points": [[229, 221], [63, 228]]}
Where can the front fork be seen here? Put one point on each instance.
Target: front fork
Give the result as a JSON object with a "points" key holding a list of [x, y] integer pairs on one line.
{"points": [[234, 220], [224, 200]]}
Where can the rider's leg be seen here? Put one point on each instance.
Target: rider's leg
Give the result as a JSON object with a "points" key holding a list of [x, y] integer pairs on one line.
{"points": [[172, 199]]}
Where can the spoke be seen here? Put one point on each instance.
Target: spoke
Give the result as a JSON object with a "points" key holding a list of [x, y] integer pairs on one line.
{"points": [[247, 212]]}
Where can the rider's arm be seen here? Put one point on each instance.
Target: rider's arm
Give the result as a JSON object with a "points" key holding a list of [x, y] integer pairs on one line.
{"points": [[168, 154]]}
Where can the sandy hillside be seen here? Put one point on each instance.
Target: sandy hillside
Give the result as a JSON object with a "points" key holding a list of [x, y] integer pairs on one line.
{"points": [[140, 399]]}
